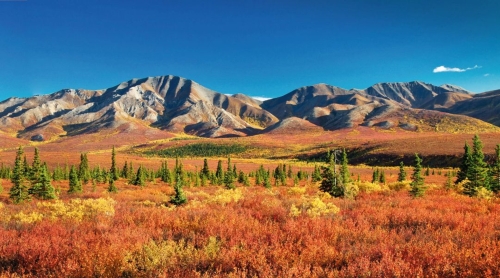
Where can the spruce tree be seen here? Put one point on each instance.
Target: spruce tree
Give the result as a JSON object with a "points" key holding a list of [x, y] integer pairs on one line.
{"points": [[140, 177], [495, 171], [344, 170], [19, 190], [382, 177], [228, 176], [113, 171], [83, 168], [124, 173], [44, 189], [316, 176], [205, 171], [417, 185], [219, 173], [112, 187], [330, 181], [464, 166], [36, 168], [179, 197], [375, 175], [478, 171], [402, 172], [75, 186]]}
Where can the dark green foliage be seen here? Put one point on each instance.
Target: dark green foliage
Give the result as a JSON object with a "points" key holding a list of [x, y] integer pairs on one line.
{"points": [[375, 175], [402, 172], [316, 176], [417, 185], [124, 173], [345, 177], [219, 173], [112, 187], [19, 190], [331, 182], [205, 171], [83, 169], [75, 186], [179, 197], [382, 177], [140, 177], [495, 171], [200, 150], [43, 189], [36, 168], [464, 166], [228, 177], [113, 171], [427, 171], [477, 173], [165, 174]]}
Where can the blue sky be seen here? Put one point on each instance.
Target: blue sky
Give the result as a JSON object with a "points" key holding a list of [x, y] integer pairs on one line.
{"points": [[260, 48]]}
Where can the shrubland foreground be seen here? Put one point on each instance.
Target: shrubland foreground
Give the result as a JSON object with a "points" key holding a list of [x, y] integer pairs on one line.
{"points": [[251, 231]]}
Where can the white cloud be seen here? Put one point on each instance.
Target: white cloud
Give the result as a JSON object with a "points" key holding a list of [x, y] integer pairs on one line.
{"points": [[487, 74], [447, 69], [261, 98]]}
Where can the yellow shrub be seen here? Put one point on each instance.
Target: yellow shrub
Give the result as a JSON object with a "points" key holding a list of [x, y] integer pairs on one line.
{"points": [[296, 190], [77, 209], [29, 218], [483, 193], [1, 205], [398, 186], [212, 248], [314, 208], [318, 208], [223, 196], [369, 187]]}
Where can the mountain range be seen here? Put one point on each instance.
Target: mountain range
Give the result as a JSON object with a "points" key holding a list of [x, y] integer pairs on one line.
{"points": [[177, 105]]}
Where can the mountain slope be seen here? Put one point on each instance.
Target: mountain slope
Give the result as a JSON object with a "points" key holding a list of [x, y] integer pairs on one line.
{"points": [[167, 102]]}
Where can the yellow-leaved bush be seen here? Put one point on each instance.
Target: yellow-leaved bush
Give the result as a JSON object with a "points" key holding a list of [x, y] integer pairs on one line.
{"points": [[315, 207]]}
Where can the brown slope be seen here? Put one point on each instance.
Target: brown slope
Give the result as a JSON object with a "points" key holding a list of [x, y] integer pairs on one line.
{"points": [[445, 100], [484, 106]]}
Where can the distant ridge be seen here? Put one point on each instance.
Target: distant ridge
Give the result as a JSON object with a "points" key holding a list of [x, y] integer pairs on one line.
{"points": [[177, 104]]}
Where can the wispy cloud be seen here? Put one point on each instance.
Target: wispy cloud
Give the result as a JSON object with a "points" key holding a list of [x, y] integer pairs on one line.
{"points": [[447, 69], [487, 74], [261, 98]]}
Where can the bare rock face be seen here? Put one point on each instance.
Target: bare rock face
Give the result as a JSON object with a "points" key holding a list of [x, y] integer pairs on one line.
{"points": [[37, 137], [167, 102], [180, 105]]}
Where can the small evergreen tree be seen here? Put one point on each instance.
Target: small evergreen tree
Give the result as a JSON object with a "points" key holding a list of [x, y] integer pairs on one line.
{"points": [[44, 189], [205, 171], [112, 187], [316, 176], [495, 171], [345, 177], [179, 197], [19, 191], [449, 182], [140, 177], [478, 171], [417, 185], [75, 186], [219, 173], [464, 166], [83, 169], [228, 177], [402, 172], [113, 171], [331, 182], [382, 177]]}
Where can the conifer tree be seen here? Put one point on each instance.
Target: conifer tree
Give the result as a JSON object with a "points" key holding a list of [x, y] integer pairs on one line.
{"points": [[83, 168], [179, 197], [331, 183], [124, 173], [36, 168], [449, 182], [112, 187], [382, 177], [140, 177], [375, 175], [219, 173], [44, 189], [19, 190], [464, 166], [27, 169], [402, 172], [205, 171], [495, 171], [417, 185], [75, 186], [344, 170], [478, 171], [316, 176], [228, 177], [113, 171]]}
